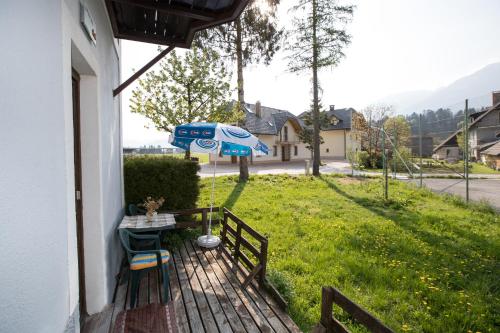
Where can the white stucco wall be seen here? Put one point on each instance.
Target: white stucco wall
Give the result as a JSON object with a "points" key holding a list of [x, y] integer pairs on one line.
{"points": [[333, 146], [38, 230]]}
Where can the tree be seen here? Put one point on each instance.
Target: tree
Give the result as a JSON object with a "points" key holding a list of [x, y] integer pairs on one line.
{"points": [[185, 89], [398, 129], [375, 115], [252, 38], [306, 135], [318, 39]]}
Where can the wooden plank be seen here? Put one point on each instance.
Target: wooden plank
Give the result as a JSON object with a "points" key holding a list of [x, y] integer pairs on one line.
{"points": [[245, 226], [176, 295], [143, 297], [357, 312], [263, 300], [172, 9], [141, 71], [120, 296], [193, 315], [198, 292], [154, 289], [241, 310], [222, 297], [263, 319], [251, 276], [210, 294]]}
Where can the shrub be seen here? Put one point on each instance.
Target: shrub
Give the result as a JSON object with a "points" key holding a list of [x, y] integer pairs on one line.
{"points": [[174, 179], [363, 159]]}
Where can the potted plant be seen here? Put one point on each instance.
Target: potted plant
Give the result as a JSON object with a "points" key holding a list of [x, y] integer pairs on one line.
{"points": [[152, 205]]}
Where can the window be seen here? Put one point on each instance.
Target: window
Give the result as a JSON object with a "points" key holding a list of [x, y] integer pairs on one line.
{"points": [[275, 150], [295, 151], [286, 133], [327, 150]]}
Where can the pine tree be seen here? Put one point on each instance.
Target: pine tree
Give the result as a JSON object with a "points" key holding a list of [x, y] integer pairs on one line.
{"points": [[318, 40]]}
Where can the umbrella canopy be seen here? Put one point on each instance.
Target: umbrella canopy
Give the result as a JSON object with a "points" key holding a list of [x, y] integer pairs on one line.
{"points": [[213, 138]]}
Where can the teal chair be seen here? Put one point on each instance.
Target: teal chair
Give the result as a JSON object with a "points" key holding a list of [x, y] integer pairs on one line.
{"points": [[141, 262], [134, 210]]}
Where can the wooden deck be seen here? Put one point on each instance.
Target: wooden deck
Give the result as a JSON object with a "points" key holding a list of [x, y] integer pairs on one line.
{"points": [[206, 290]]}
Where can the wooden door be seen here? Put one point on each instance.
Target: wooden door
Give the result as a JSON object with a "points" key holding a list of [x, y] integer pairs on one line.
{"points": [[78, 191], [285, 153]]}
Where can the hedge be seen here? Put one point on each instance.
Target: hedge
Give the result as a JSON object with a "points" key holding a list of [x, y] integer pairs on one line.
{"points": [[174, 179]]}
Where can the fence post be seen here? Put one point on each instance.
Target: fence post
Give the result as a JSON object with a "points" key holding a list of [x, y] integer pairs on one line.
{"points": [[466, 149], [263, 261], [420, 145], [237, 243], [384, 166], [204, 225], [326, 307]]}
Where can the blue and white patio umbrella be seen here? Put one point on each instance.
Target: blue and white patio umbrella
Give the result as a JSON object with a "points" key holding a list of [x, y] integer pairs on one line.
{"points": [[215, 139]]}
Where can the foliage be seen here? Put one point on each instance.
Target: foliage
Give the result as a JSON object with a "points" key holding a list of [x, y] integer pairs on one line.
{"points": [[306, 135], [282, 284], [418, 262], [174, 179], [185, 89], [317, 41], [362, 159], [461, 139], [439, 124], [398, 130], [375, 115], [251, 38], [318, 36]]}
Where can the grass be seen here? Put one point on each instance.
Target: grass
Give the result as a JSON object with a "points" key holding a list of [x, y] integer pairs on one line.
{"points": [[203, 157], [448, 168], [419, 262]]}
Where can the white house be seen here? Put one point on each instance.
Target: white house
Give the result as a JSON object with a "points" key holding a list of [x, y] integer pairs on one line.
{"points": [[61, 164], [279, 130], [61, 186]]}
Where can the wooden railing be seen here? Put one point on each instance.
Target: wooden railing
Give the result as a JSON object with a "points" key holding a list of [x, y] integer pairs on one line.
{"points": [[190, 220], [233, 239], [329, 324]]}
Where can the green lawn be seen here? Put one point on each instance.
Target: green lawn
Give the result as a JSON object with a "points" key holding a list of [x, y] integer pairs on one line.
{"points": [[420, 262], [453, 169], [203, 157]]}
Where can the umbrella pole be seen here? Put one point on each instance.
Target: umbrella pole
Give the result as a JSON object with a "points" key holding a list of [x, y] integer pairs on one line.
{"points": [[209, 233], [209, 241]]}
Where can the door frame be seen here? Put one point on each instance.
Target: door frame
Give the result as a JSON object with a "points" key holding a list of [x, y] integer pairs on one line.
{"points": [[77, 154]]}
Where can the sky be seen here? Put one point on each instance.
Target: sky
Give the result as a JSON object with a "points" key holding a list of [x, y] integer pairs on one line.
{"points": [[397, 46]]}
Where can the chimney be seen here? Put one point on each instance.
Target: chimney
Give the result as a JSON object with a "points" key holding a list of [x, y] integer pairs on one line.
{"points": [[332, 107], [258, 109], [495, 97]]}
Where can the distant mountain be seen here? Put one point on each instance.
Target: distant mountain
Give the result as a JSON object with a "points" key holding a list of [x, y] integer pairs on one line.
{"points": [[477, 87]]}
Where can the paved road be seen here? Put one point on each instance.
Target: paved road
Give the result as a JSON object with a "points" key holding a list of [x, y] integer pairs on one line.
{"points": [[291, 168], [485, 189]]}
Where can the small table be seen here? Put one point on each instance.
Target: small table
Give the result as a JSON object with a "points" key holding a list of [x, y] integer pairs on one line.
{"points": [[139, 223]]}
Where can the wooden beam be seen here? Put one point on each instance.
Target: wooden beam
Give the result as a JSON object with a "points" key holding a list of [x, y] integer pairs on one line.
{"points": [[171, 9], [142, 70], [358, 313]]}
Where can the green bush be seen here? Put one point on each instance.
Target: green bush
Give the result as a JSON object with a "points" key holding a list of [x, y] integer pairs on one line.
{"points": [[161, 176], [363, 159]]}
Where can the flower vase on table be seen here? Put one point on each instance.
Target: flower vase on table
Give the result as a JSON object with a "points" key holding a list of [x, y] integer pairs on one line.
{"points": [[151, 206]]}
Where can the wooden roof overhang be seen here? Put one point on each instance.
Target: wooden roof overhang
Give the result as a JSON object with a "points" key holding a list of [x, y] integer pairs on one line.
{"points": [[168, 22]]}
